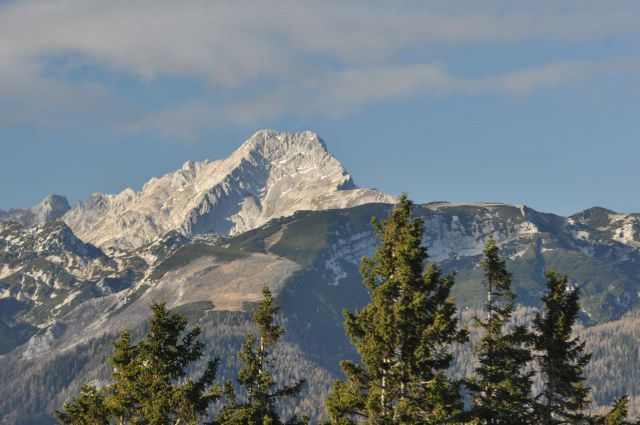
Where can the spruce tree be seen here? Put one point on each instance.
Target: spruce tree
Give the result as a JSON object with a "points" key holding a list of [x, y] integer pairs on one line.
{"points": [[148, 382], [561, 357], [88, 408], [404, 335], [501, 387], [618, 413], [261, 397]]}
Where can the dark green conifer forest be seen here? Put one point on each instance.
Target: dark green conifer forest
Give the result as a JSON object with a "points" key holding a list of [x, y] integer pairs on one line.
{"points": [[406, 338]]}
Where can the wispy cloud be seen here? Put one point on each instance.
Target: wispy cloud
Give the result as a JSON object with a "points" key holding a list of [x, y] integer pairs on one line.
{"points": [[326, 57], [337, 94]]}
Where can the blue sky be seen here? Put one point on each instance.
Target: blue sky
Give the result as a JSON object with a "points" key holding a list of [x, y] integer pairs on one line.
{"points": [[534, 103]]}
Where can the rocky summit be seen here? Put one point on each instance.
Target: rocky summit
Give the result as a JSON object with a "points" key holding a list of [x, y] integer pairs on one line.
{"points": [[51, 208], [273, 174]]}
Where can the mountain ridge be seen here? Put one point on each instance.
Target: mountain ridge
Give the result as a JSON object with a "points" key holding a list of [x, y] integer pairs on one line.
{"points": [[310, 260], [272, 174]]}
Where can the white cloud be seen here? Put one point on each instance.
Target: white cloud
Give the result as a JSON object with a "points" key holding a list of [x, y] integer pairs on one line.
{"points": [[325, 57], [231, 42]]}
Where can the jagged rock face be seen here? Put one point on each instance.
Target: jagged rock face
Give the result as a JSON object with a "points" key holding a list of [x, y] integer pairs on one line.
{"points": [[271, 175], [48, 269], [50, 209]]}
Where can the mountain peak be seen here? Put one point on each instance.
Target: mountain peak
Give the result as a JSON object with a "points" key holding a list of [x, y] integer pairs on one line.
{"points": [[595, 217], [273, 174], [49, 209], [277, 147], [285, 138]]}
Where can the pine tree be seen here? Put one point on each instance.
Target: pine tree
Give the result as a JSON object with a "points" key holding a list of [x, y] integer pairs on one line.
{"points": [[261, 396], [149, 384], [618, 413], [404, 335], [87, 409], [501, 387], [562, 357]]}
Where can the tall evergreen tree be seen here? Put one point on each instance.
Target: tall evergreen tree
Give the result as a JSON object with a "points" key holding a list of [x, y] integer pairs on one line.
{"points": [[404, 335], [562, 357], [149, 384], [501, 387], [259, 404]]}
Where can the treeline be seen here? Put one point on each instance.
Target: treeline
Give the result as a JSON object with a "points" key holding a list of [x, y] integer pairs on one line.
{"points": [[406, 337], [615, 355], [614, 366]]}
